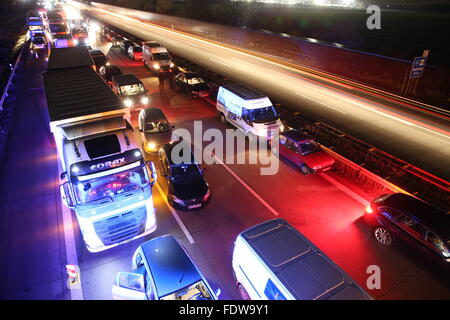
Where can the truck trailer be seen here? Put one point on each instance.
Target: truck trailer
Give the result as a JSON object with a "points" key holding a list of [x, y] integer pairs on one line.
{"points": [[105, 179]]}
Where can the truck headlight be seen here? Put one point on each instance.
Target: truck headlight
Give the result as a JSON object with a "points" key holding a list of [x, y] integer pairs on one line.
{"points": [[89, 235], [144, 100], [128, 103], [156, 66]]}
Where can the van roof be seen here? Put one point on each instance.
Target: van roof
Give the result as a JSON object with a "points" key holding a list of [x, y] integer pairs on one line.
{"points": [[170, 266], [305, 271], [244, 92]]}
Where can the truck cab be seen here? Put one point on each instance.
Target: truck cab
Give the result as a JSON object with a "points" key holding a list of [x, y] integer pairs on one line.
{"points": [[156, 57], [131, 90], [162, 270]]}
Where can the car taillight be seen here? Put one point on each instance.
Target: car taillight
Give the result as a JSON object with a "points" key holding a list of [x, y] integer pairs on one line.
{"points": [[369, 209]]}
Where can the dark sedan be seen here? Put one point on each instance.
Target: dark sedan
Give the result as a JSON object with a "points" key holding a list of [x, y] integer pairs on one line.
{"points": [[192, 84], [187, 188]]}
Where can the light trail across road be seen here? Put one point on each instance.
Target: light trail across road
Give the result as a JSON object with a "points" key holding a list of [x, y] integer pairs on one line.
{"points": [[416, 138]]}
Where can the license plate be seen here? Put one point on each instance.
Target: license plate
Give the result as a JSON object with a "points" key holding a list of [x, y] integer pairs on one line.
{"points": [[195, 206]]}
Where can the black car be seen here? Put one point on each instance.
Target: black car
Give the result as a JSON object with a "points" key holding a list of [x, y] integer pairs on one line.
{"points": [[187, 188], [402, 217], [155, 129], [192, 84], [124, 44], [99, 58], [107, 72]]}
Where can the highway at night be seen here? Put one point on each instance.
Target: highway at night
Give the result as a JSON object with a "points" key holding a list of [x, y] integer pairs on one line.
{"points": [[40, 236]]}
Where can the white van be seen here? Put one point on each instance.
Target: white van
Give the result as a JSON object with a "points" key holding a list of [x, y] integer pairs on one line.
{"points": [[273, 261], [156, 57], [248, 110]]}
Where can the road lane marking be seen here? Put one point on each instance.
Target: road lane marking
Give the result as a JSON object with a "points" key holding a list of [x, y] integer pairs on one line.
{"points": [[175, 214], [349, 192], [76, 293], [246, 186], [319, 102]]}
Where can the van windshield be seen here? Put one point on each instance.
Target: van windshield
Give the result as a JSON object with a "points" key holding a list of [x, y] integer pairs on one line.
{"points": [[132, 89], [196, 291], [101, 185], [266, 114], [161, 56]]}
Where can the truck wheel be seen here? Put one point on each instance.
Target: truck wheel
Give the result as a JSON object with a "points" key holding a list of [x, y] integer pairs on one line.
{"points": [[222, 118], [304, 169], [243, 292]]}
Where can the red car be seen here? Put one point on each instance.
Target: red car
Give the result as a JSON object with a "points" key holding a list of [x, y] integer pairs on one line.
{"points": [[304, 152]]}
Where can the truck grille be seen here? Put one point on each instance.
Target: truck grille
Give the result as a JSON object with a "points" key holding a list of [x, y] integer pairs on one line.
{"points": [[121, 227]]}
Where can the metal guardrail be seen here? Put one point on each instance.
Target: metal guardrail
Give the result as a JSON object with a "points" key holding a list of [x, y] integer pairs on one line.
{"points": [[11, 77]]}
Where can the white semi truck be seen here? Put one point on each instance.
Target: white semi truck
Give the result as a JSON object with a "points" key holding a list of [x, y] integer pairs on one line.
{"points": [[105, 179]]}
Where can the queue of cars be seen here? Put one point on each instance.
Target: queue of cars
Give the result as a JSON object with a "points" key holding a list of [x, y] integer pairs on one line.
{"points": [[271, 260]]}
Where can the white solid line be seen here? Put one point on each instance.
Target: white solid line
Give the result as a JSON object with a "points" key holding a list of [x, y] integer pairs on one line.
{"points": [[319, 102], [175, 214], [351, 193], [257, 196], [76, 293]]}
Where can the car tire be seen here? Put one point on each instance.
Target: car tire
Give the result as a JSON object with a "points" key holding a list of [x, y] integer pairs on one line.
{"points": [[243, 293], [383, 236], [304, 169], [222, 118]]}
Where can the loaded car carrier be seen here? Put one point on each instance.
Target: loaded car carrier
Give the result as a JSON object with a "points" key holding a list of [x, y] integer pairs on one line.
{"points": [[105, 178]]}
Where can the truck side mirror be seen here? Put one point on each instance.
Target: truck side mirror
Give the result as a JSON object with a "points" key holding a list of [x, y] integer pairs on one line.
{"points": [[65, 195], [129, 286], [218, 292]]}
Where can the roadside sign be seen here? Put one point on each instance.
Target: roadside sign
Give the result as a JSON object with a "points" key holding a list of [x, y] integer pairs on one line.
{"points": [[418, 66]]}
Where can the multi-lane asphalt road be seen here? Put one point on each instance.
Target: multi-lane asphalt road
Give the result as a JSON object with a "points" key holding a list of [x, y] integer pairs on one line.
{"points": [[36, 242], [415, 137]]}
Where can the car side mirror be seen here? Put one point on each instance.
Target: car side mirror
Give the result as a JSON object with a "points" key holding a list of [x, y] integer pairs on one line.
{"points": [[203, 170], [153, 175], [65, 195], [129, 286], [141, 130], [218, 292], [172, 126], [147, 90]]}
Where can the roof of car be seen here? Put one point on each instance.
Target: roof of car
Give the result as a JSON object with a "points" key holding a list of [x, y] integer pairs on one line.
{"points": [[427, 215], [154, 114], [170, 266], [302, 267], [126, 79], [168, 150], [295, 135], [191, 75]]}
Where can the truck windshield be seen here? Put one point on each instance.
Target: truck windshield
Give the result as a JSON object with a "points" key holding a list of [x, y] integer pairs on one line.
{"points": [[58, 28], [196, 291], [101, 185], [161, 56], [132, 89], [263, 114], [309, 147]]}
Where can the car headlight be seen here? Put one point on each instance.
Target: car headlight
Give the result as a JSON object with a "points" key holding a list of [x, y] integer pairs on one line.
{"points": [[206, 196], [172, 65], [151, 145], [281, 128], [144, 100], [75, 41], [128, 103], [156, 66]]}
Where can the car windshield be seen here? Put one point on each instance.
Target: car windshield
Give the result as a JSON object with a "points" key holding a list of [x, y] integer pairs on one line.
{"points": [[58, 28], [161, 56], [132, 89], [195, 80], [137, 49], [156, 126], [309, 147], [38, 40], [196, 291], [183, 172], [263, 114], [103, 185]]}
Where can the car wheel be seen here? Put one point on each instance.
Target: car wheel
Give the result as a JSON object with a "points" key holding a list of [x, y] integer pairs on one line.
{"points": [[304, 169], [222, 118], [383, 236], [243, 292]]}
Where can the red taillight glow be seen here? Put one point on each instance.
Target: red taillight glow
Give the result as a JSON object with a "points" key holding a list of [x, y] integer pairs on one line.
{"points": [[369, 209]]}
